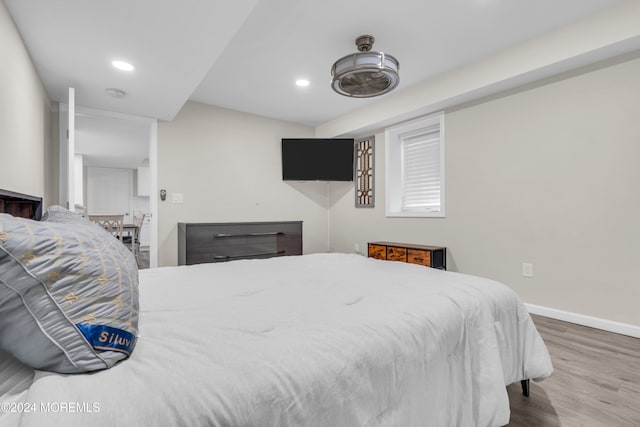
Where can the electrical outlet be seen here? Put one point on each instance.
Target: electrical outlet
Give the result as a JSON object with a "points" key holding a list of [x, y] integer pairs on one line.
{"points": [[527, 269]]}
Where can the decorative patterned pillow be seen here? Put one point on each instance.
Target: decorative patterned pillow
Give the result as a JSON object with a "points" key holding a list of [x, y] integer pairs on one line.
{"points": [[68, 294], [57, 213]]}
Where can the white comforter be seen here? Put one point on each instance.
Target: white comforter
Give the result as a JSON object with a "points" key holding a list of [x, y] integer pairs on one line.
{"points": [[316, 340]]}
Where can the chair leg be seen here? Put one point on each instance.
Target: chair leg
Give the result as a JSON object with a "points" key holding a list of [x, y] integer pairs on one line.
{"points": [[525, 387], [137, 255]]}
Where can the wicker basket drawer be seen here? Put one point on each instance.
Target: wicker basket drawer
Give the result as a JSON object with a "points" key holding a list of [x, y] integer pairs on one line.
{"points": [[415, 256], [396, 254], [377, 251]]}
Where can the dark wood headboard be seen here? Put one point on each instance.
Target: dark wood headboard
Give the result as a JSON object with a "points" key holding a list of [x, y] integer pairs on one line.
{"points": [[21, 205]]}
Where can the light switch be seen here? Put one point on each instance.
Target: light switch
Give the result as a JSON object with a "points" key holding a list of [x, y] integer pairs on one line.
{"points": [[527, 269], [177, 198]]}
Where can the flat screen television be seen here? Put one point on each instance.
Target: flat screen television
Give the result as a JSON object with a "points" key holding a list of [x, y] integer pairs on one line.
{"points": [[317, 159]]}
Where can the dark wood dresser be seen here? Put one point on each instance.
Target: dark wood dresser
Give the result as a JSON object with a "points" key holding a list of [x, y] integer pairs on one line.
{"points": [[430, 256], [217, 242]]}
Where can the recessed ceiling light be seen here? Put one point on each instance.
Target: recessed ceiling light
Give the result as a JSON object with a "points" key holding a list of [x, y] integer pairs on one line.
{"points": [[116, 93], [302, 82], [121, 65]]}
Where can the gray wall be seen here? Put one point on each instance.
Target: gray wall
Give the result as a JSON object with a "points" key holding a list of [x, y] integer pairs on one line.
{"points": [[227, 166], [549, 176]]}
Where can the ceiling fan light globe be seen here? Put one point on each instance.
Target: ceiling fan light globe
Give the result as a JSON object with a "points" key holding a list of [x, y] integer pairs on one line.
{"points": [[365, 74]]}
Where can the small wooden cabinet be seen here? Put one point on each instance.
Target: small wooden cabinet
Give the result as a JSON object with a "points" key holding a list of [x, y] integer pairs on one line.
{"points": [[429, 256]]}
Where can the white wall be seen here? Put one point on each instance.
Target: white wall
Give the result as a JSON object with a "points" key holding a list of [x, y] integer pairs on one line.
{"points": [[549, 176], [26, 153], [227, 165]]}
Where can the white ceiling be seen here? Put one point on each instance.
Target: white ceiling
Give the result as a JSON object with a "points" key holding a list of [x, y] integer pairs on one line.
{"points": [[246, 54], [111, 141], [172, 44]]}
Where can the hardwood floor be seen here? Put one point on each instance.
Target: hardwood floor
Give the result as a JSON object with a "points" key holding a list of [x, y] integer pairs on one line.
{"points": [[596, 380]]}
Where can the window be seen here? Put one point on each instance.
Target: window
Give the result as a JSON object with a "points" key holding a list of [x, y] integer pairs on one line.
{"points": [[415, 168]]}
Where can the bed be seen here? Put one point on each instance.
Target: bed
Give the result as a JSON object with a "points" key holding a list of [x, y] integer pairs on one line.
{"points": [[312, 340]]}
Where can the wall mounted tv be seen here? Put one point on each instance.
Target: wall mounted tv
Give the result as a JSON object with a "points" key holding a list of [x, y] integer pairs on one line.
{"points": [[317, 159]]}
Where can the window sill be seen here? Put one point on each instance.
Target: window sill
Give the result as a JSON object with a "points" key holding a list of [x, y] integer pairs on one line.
{"points": [[415, 214]]}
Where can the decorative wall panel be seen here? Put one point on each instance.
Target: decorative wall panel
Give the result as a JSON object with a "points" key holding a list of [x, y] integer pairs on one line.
{"points": [[365, 191]]}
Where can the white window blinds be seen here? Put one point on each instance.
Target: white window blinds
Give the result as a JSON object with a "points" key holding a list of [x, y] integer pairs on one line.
{"points": [[414, 168], [421, 170]]}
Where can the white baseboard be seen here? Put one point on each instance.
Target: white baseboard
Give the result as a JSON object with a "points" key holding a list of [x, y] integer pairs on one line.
{"points": [[584, 320]]}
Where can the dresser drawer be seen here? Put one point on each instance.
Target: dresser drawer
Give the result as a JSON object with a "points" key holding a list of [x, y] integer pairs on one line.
{"points": [[396, 254], [416, 256], [377, 251], [216, 242], [207, 236]]}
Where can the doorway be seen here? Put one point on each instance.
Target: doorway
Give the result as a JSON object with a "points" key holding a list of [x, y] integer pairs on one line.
{"points": [[115, 170]]}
